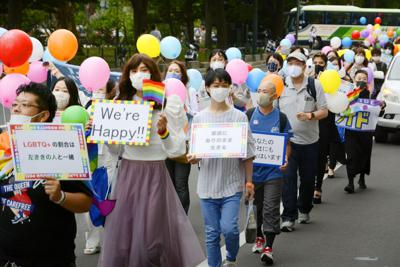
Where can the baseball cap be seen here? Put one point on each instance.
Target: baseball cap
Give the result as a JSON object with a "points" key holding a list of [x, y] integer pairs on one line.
{"points": [[297, 55]]}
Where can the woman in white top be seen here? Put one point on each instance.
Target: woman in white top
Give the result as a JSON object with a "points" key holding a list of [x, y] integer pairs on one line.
{"points": [[148, 226]]}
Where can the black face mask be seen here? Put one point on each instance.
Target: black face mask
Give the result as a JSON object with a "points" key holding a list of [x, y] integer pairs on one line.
{"points": [[362, 85], [318, 69], [272, 67]]}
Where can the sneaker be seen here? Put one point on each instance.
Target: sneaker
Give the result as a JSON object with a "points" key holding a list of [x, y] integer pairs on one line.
{"points": [[229, 263], [91, 251], [259, 245], [287, 226], [267, 256], [349, 188], [304, 218]]}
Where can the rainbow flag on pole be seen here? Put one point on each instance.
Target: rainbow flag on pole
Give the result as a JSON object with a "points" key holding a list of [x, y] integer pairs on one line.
{"points": [[153, 91], [353, 95]]}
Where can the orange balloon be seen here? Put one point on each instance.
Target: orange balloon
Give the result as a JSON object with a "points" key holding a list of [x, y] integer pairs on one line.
{"points": [[277, 80], [62, 45], [390, 33], [396, 49], [23, 69]]}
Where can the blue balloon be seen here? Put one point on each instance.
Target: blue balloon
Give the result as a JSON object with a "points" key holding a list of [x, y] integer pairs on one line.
{"points": [[347, 42], [170, 47], [233, 53], [363, 20], [2, 31], [286, 43], [383, 39], [254, 79], [349, 56], [195, 79], [47, 57]]}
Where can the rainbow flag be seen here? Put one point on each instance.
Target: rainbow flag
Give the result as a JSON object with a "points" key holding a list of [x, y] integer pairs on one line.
{"points": [[353, 95], [153, 91]]}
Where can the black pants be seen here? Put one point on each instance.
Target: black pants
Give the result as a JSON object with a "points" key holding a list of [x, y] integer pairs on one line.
{"points": [[179, 173]]}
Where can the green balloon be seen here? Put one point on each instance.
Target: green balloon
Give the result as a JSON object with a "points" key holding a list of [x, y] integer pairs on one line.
{"points": [[398, 31], [75, 114]]}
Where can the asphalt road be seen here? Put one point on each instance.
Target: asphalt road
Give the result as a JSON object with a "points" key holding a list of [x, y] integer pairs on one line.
{"points": [[359, 230]]}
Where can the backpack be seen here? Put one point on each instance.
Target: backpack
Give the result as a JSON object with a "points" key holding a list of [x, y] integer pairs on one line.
{"points": [[311, 88], [282, 119]]}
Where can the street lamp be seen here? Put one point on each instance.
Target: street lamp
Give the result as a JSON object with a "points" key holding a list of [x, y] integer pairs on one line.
{"points": [[297, 22]]}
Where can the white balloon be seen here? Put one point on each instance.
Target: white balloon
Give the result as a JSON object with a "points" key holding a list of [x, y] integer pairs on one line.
{"points": [[336, 42], [337, 102], [37, 51]]}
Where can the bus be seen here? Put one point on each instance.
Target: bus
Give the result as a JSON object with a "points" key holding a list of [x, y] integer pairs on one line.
{"points": [[328, 21]]}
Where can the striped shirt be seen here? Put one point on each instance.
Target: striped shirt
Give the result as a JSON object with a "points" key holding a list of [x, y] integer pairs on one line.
{"points": [[222, 177]]}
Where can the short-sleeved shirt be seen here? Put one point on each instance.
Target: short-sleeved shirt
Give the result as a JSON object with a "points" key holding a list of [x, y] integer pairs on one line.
{"points": [[269, 123], [293, 101], [33, 228], [222, 177]]}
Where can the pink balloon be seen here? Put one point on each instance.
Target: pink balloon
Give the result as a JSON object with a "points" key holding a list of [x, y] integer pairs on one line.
{"points": [[8, 88], [175, 87], [94, 73], [37, 72], [238, 70], [326, 49], [371, 39]]}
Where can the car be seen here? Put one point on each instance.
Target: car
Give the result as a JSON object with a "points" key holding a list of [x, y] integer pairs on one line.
{"points": [[389, 119]]}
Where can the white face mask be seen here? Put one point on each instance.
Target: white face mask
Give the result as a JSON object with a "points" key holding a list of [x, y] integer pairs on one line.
{"points": [[98, 95], [62, 99], [388, 52], [376, 59], [294, 71], [21, 119], [137, 79], [359, 60], [336, 67], [217, 65], [219, 94]]}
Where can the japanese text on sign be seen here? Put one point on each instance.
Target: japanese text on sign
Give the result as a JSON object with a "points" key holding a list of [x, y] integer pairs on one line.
{"points": [[49, 150], [121, 122], [270, 149], [219, 140]]}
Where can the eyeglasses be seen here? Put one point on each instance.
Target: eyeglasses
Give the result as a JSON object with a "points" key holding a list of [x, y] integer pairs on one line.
{"points": [[23, 105]]}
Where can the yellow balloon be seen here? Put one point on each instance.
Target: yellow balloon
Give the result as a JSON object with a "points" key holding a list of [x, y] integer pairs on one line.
{"points": [[149, 45], [368, 54], [283, 56], [330, 81], [341, 52], [376, 26]]}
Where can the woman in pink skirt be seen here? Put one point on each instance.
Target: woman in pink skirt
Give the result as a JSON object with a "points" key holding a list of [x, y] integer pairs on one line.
{"points": [[148, 226]]}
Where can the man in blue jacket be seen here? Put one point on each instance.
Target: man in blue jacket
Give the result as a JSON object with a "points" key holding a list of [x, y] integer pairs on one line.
{"points": [[268, 180]]}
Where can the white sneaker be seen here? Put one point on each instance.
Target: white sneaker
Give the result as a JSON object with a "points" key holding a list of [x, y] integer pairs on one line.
{"points": [[304, 218], [229, 263], [91, 251], [287, 226]]}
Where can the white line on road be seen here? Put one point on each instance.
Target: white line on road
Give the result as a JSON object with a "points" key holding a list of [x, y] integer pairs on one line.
{"points": [[242, 239]]}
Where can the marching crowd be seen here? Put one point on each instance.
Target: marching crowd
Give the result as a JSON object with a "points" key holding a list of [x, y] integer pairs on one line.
{"points": [[149, 225]]}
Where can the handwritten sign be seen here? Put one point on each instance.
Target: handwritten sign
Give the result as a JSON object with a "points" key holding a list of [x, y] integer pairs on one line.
{"points": [[121, 122], [270, 149], [364, 116], [49, 150], [219, 140]]}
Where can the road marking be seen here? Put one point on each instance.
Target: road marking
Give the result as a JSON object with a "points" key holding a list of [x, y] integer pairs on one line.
{"points": [[242, 238], [366, 259]]}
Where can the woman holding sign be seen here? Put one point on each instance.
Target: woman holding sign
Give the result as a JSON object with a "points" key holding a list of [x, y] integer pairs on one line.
{"points": [[221, 181], [148, 226]]}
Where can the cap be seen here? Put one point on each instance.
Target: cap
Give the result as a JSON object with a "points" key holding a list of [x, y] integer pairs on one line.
{"points": [[297, 55]]}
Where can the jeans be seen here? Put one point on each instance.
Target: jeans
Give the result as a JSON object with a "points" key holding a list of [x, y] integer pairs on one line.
{"points": [[304, 160], [221, 216], [179, 173]]}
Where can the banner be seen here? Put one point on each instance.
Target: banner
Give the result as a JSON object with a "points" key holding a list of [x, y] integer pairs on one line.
{"points": [[49, 150], [363, 117], [121, 122], [219, 140], [270, 149], [72, 72]]}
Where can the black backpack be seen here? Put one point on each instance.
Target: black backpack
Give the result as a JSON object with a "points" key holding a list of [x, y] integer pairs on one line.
{"points": [[282, 119], [311, 88]]}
